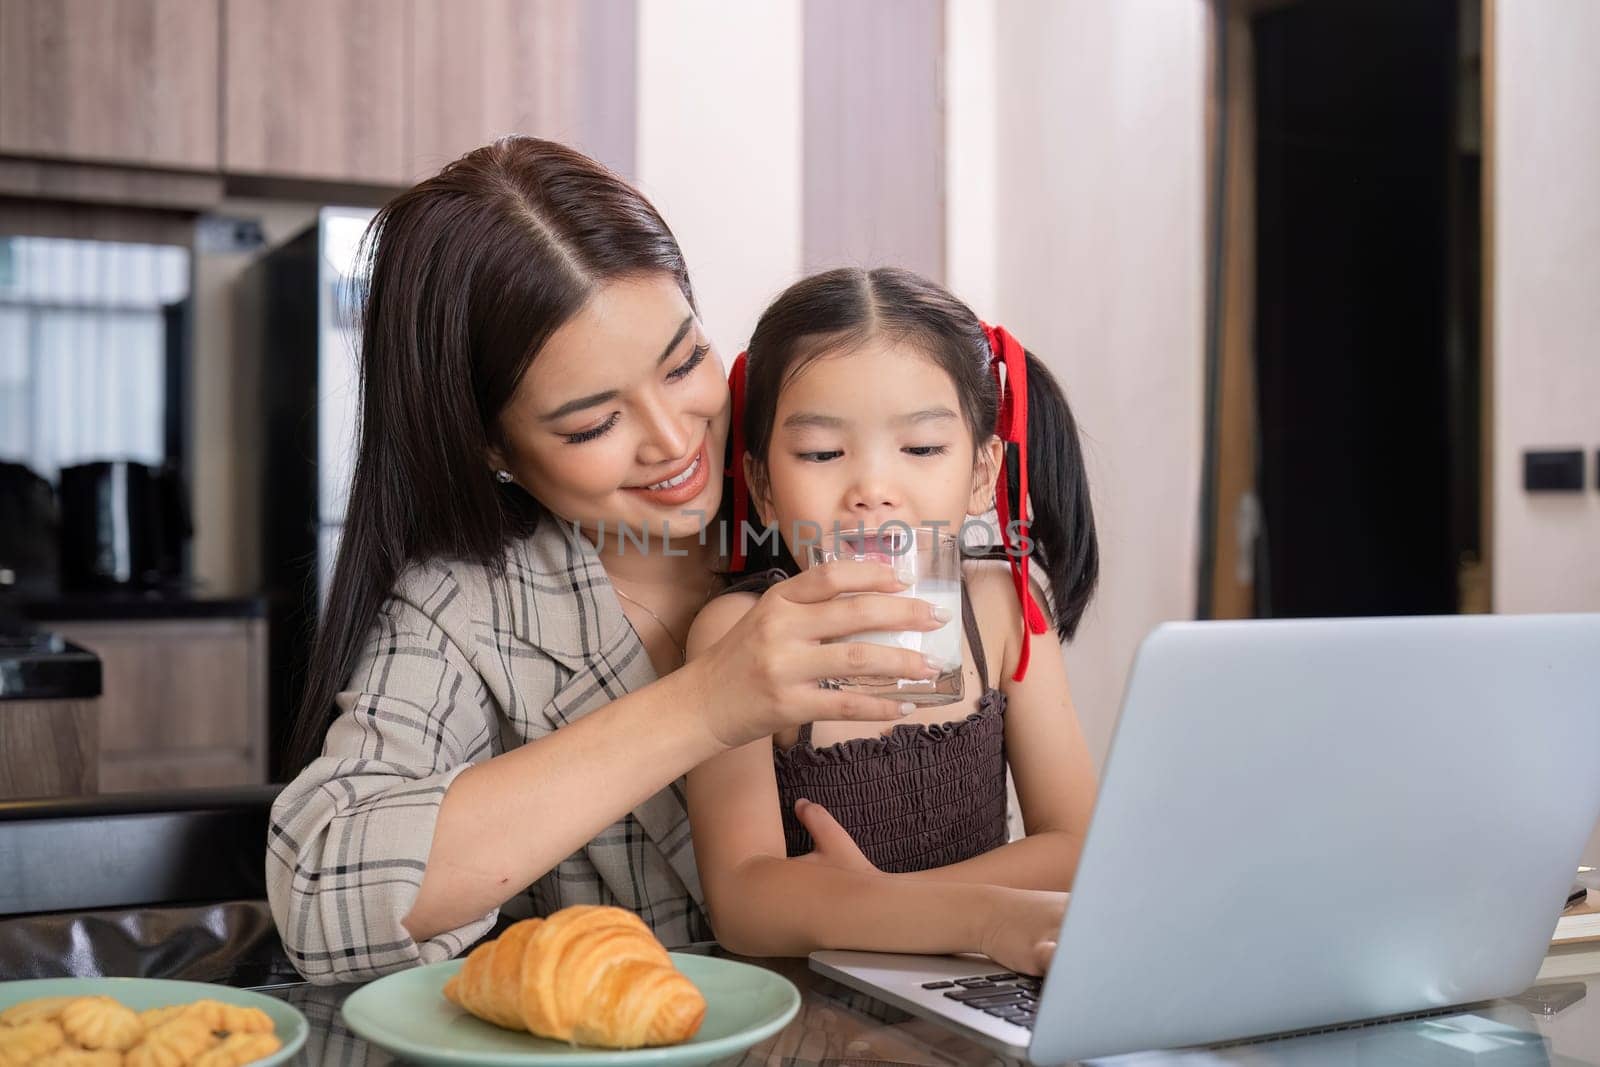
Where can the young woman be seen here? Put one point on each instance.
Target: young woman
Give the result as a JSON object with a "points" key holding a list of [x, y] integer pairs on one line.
{"points": [[497, 714]]}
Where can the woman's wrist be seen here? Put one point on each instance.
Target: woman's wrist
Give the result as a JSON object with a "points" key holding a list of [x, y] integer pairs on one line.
{"points": [[690, 707]]}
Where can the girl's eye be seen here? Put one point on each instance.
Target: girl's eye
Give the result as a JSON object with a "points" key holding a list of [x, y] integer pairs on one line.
{"points": [[589, 435], [818, 457], [927, 450], [683, 370]]}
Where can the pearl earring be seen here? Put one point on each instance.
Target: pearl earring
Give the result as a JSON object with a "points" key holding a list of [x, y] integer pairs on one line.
{"points": [[503, 477]]}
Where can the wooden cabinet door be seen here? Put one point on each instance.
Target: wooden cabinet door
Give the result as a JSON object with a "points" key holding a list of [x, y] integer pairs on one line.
{"points": [[183, 701], [559, 69], [117, 81], [315, 89]]}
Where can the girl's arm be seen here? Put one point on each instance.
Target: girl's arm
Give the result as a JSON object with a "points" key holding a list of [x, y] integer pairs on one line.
{"points": [[764, 904], [1049, 758]]}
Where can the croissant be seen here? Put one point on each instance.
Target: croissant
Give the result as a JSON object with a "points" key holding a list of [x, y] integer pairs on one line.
{"points": [[588, 975]]}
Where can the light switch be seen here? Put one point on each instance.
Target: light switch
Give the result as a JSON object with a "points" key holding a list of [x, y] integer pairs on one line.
{"points": [[1553, 471]]}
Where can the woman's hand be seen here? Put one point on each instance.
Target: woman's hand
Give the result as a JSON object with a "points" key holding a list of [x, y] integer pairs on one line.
{"points": [[1021, 929], [761, 677]]}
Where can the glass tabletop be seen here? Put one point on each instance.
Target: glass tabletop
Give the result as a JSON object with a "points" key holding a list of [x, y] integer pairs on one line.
{"points": [[1556, 1022]]}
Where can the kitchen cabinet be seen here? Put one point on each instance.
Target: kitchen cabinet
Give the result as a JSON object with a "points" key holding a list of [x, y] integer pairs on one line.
{"points": [[559, 69], [183, 700], [47, 748], [315, 89], [507, 67], [49, 723], [358, 92], [129, 81]]}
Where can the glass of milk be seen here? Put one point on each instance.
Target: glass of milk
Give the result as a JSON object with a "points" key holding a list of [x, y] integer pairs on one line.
{"points": [[930, 561]]}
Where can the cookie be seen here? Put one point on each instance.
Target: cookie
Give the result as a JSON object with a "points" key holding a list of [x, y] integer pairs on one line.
{"points": [[79, 1057], [231, 1018], [175, 1043], [38, 1010], [23, 1044], [238, 1050], [101, 1023], [154, 1017]]}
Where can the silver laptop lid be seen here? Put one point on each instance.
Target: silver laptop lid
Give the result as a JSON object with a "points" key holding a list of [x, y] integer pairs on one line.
{"points": [[1312, 822]]}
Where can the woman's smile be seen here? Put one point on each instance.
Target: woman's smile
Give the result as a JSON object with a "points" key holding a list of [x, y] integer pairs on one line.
{"points": [[681, 486]]}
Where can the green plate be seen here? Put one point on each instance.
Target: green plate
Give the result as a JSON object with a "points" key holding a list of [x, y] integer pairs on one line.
{"points": [[142, 993], [406, 1014]]}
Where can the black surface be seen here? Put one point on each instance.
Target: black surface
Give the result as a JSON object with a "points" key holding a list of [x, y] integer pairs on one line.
{"points": [[27, 532], [112, 606], [254, 798], [123, 524], [43, 666], [1552, 471], [131, 850], [232, 942], [276, 331], [1365, 461]]}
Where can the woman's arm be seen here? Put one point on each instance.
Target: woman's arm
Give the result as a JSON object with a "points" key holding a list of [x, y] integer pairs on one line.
{"points": [[349, 837], [580, 779], [764, 904], [569, 785], [396, 845]]}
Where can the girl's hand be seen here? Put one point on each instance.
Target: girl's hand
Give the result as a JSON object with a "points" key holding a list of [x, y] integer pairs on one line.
{"points": [[763, 675], [1021, 929], [831, 843]]}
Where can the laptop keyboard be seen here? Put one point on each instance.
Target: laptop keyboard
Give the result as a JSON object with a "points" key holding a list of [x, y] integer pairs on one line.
{"points": [[1012, 997]]}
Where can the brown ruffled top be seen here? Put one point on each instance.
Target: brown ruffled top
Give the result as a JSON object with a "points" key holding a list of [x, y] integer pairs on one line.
{"points": [[914, 798]]}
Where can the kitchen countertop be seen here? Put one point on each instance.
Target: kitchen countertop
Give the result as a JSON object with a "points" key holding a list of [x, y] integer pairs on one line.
{"points": [[1556, 1022], [118, 605], [44, 666]]}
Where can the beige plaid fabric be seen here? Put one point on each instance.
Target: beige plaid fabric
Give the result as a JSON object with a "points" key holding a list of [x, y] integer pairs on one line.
{"points": [[460, 667]]}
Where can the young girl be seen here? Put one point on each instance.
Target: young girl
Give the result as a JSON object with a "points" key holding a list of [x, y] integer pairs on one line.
{"points": [[871, 397]]}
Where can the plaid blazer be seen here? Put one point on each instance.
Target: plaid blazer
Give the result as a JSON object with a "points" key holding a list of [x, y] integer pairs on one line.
{"points": [[460, 667]]}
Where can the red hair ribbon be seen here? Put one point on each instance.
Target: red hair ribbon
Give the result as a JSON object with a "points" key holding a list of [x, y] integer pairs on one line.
{"points": [[741, 491], [1011, 426]]}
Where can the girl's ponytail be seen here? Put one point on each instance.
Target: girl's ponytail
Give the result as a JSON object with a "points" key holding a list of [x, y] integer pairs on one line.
{"points": [[1043, 467], [1062, 520]]}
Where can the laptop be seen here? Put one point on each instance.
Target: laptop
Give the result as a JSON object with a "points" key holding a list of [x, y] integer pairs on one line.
{"points": [[1303, 824]]}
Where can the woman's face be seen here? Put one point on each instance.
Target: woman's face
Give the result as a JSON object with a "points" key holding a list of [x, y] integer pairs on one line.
{"points": [[621, 418], [870, 436]]}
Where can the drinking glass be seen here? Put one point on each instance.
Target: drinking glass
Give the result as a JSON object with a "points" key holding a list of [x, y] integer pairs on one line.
{"points": [[930, 561]]}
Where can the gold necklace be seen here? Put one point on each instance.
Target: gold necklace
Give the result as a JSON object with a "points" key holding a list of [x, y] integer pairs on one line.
{"points": [[683, 656]]}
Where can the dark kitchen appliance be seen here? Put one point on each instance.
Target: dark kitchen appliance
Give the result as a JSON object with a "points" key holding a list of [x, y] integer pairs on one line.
{"points": [[123, 524], [27, 533]]}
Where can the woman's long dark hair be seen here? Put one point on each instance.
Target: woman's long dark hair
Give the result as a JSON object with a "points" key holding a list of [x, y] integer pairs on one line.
{"points": [[470, 272], [834, 310]]}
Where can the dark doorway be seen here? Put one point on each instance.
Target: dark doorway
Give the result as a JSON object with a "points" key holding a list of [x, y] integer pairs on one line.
{"points": [[1366, 349]]}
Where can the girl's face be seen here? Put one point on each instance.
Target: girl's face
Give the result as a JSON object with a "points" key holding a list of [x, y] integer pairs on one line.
{"points": [[869, 435], [621, 418]]}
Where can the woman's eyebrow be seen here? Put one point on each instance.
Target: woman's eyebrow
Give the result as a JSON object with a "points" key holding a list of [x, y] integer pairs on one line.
{"points": [[611, 394], [683, 328]]}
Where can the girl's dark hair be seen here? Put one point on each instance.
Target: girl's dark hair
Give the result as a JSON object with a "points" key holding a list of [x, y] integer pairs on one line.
{"points": [[833, 311], [469, 273]]}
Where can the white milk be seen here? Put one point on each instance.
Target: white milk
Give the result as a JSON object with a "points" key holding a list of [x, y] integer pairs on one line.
{"points": [[943, 644]]}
